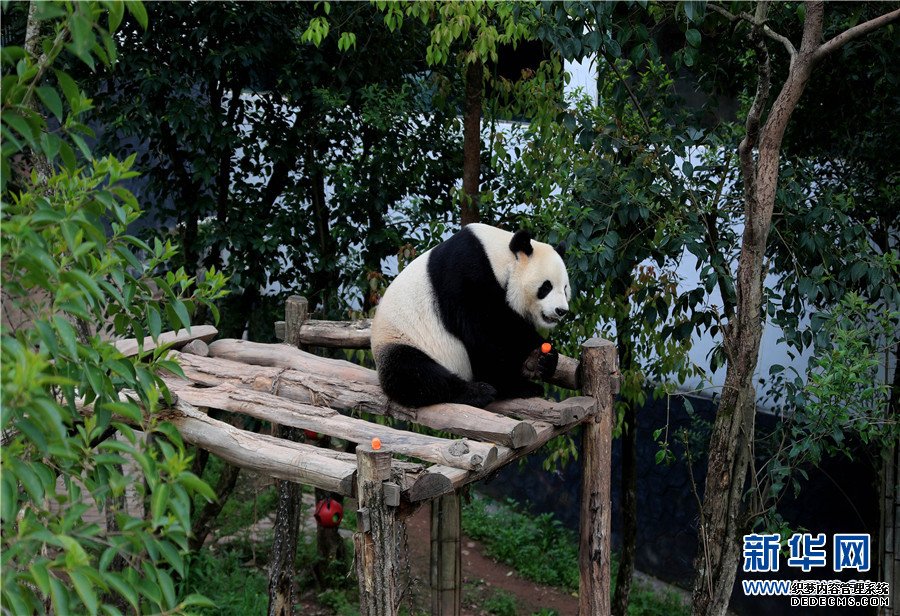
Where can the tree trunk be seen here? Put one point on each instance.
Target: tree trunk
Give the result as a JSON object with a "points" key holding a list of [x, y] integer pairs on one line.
{"points": [[721, 526], [628, 472], [282, 590], [472, 144]]}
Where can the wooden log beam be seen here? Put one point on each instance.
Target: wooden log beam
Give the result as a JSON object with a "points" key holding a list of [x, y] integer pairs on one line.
{"points": [[339, 384], [560, 413], [356, 335], [470, 455], [129, 346], [599, 362], [457, 478], [340, 334], [272, 457]]}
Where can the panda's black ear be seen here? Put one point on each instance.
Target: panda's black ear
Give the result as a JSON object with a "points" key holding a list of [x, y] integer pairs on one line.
{"points": [[521, 242], [561, 249]]}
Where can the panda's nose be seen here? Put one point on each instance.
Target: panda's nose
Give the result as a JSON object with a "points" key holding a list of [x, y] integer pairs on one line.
{"points": [[561, 312]]}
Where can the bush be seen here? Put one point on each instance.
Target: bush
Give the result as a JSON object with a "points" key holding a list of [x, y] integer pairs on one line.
{"points": [[71, 270]]}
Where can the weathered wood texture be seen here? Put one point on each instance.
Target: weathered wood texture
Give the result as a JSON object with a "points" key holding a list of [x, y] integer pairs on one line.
{"points": [[600, 371], [129, 346], [267, 455], [377, 566], [342, 385], [282, 588], [356, 335], [324, 390], [342, 334], [446, 559], [467, 454]]}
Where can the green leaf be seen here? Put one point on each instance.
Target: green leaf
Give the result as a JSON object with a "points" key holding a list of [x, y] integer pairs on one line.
{"points": [[693, 37], [85, 590], [70, 90], [181, 311], [51, 100], [59, 596], [154, 321], [8, 497], [196, 600], [170, 553], [116, 12], [125, 589], [168, 588], [137, 10], [197, 485]]}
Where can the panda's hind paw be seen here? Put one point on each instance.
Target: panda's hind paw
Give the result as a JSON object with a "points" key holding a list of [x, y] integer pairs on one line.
{"points": [[477, 394]]}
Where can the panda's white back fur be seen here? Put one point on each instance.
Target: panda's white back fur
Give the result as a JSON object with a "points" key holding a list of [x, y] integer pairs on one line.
{"points": [[408, 312]]}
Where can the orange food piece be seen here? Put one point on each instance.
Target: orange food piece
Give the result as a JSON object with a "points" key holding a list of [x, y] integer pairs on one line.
{"points": [[376, 443], [546, 347]]}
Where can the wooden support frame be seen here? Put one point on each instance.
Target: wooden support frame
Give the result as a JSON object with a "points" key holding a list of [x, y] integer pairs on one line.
{"points": [[282, 588], [376, 539], [599, 366], [446, 556], [293, 389]]}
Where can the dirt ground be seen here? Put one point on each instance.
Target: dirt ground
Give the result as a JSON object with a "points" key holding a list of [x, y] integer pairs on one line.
{"points": [[482, 576]]}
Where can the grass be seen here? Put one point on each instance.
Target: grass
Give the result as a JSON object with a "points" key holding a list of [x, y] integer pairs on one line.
{"points": [[538, 547], [236, 589], [541, 549]]}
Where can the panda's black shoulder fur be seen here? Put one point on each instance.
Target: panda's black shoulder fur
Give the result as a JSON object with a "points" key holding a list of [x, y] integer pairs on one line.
{"points": [[472, 306]]}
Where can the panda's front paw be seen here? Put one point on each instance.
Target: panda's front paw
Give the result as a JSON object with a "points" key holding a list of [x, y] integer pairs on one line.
{"points": [[477, 394], [546, 364]]}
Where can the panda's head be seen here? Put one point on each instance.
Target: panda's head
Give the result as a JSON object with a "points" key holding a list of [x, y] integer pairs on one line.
{"points": [[538, 287]]}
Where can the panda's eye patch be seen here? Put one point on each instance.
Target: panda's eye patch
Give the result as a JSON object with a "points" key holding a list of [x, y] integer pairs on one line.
{"points": [[545, 289]]}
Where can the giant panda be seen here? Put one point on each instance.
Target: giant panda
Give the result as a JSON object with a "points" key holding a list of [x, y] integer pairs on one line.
{"points": [[460, 321]]}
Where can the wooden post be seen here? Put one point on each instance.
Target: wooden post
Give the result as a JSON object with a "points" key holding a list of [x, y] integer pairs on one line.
{"points": [[446, 559], [377, 564], [599, 372], [282, 593]]}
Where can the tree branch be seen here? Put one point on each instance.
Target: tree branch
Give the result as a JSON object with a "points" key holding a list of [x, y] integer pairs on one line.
{"points": [[769, 32], [781, 39], [854, 33]]}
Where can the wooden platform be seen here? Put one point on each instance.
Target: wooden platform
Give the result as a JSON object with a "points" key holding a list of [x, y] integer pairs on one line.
{"points": [[287, 387], [290, 387]]}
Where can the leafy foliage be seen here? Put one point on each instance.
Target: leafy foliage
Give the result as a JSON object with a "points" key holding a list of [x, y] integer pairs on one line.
{"points": [[280, 161], [72, 274]]}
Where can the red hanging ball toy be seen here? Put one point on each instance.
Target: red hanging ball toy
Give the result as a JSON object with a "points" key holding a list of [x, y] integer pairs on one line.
{"points": [[329, 513]]}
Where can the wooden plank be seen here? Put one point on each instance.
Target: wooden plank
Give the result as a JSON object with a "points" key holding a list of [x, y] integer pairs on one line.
{"points": [[470, 455], [342, 385], [599, 366], [129, 346], [376, 539], [446, 559]]}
